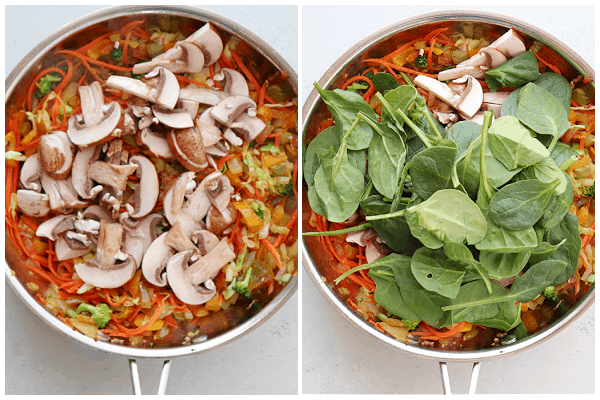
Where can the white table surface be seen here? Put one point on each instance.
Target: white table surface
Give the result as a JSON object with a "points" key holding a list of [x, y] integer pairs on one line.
{"points": [[336, 357], [38, 360]]}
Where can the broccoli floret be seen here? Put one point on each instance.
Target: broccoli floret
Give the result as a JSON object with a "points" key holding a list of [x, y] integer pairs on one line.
{"points": [[45, 84], [421, 61], [411, 325], [589, 191], [116, 54], [287, 189], [550, 293], [100, 313], [242, 286]]}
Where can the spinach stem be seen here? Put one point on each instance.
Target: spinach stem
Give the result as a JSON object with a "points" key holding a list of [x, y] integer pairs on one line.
{"points": [[407, 79], [385, 216], [415, 128], [342, 150], [432, 124], [553, 143], [480, 302], [350, 272], [388, 108], [367, 191], [487, 118], [399, 199], [340, 231]]}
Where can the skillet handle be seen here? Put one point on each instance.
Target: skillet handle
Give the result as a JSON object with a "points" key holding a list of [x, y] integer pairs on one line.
{"points": [[135, 377], [446, 377]]}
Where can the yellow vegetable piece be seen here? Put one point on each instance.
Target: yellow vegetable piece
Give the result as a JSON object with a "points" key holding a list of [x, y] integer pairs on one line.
{"points": [[270, 159], [213, 304], [141, 319], [249, 217]]}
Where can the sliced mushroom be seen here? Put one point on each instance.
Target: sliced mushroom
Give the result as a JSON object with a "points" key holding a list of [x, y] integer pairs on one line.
{"points": [[33, 203], [202, 95], [361, 237], [232, 82], [509, 44], [230, 136], [81, 182], [139, 235], [209, 41], [475, 71], [178, 119], [190, 106], [471, 98], [97, 213], [92, 102], [376, 250], [181, 58], [230, 108], [166, 86], [131, 86], [67, 247], [110, 268], [56, 153], [496, 108], [220, 149], [249, 127], [206, 125], [494, 57], [55, 226], [217, 221], [495, 97], [61, 194], [219, 192], [188, 148], [155, 144], [31, 172], [179, 240], [111, 174], [146, 192], [84, 135], [439, 89], [154, 263], [205, 241], [186, 280], [445, 118]]}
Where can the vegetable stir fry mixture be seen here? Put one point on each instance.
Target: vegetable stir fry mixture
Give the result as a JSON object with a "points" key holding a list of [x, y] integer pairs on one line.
{"points": [[452, 188], [150, 184]]}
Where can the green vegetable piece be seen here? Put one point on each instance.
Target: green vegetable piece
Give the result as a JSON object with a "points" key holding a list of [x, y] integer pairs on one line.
{"points": [[242, 286], [451, 216], [411, 325], [421, 61], [514, 73], [519, 205], [436, 272], [544, 251], [589, 191], [100, 314], [287, 189], [14, 155], [344, 107], [426, 237], [558, 206], [554, 83], [504, 265], [431, 170], [356, 86], [45, 84], [550, 293], [512, 144], [384, 82], [116, 54], [545, 171], [542, 112]]}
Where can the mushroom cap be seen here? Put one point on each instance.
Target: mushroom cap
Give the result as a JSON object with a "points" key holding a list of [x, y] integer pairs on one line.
{"points": [[495, 97], [219, 192], [232, 82], [97, 213], [176, 118], [181, 58], [66, 248], [167, 89], [155, 261], [462, 70], [180, 281], [217, 221], [439, 89], [230, 108], [146, 193], [178, 240], [231, 137], [190, 106], [156, 145], [56, 154], [209, 41], [61, 194], [83, 135], [249, 127], [31, 172], [33, 203], [472, 97], [111, 174], [174, 196], [220, 149], [81, 182], [55, 226], [205, 240], [188, 147], [202, 95], [107, 278], [207, 126], [494, 57]]}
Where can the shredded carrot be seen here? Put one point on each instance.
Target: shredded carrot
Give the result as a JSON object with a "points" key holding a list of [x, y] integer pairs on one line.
{"points": [[92, 61], [547, 63], [396, 67], [430, 55]]}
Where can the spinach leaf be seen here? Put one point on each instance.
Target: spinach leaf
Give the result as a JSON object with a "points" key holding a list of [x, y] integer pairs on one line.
{"points": [[469, 292], [545, 171], [524, 289], [511, 143], [358, 159], [387, 294], [387, 153], [514, 73], [558, 206], [463, 133], [315, 201], [564, 155], [344, 107], [402, 98], [569, 251], [509, 107], [356, 86], [544, 251], [424, 235], [450, 216], [461, 253], [542, 112], [519, 205], [508, 315], [384, 82], [558, 86], [328, 138], [436, 272], [394, 231], [504, 265], [431, 170], [427, 305]]}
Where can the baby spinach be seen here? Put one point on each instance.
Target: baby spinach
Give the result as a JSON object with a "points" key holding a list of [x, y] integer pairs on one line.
{"points": [[564, 155], [525, 287], [344, 107], [387, 294], [545, 171], [511, 143], [519, 205], [328, 138], [514, 73], [558, 86], [470, 292], [461, 253], [431, 169], [436, 272], [504, 265], [384, 82], [387, 153], [569, 251], [402, 98], [426, 237], [509, 107], [542, 112], [558, 206], [544, 251], [451, 216], [463, 133], [508, 315]]}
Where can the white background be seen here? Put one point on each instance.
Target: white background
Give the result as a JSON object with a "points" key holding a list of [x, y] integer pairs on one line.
{"points": [[38, 360], [337, 358]]}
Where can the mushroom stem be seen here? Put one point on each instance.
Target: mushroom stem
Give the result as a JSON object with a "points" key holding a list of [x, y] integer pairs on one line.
{"points": [[209, 265]]}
